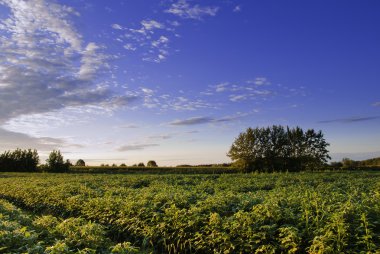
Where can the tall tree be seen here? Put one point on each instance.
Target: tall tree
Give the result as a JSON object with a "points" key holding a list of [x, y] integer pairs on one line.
{"points": [[56, 163]]}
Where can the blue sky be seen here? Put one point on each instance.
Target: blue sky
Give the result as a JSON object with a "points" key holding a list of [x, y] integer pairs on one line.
{"points": [[176, 81]]}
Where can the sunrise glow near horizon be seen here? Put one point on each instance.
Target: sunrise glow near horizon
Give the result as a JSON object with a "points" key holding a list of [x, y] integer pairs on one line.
{"points": [[176, 81]]}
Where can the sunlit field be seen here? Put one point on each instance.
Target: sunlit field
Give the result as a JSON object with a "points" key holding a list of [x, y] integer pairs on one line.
{"points": [[227, 213]]}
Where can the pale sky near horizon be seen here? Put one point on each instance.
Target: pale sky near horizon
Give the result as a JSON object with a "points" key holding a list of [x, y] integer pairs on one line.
{"points": [[176, 81]]}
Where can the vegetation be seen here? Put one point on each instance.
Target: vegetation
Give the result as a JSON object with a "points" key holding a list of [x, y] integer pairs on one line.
{"points": [[263, 213], [151, 164], [55, 162], [21, 232], [80, 163], [19, 161], [279, 149]]}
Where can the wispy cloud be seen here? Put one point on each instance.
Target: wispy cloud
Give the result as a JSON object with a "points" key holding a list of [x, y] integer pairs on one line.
{"points": [[10, 140], [259, 88], [135, 147], [193, 121], [376, 104], [205, 120], [150, 39], [351, 119], [161, 137], [184, 10], [117, 27], [128, 126], [237, 8]]}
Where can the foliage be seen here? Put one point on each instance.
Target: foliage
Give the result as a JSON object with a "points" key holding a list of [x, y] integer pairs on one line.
{"points": [[151, 164], [80, 163], [19, 160], [55, 162], [231, 213], [278, 149], [141, 164], [24, 233]]}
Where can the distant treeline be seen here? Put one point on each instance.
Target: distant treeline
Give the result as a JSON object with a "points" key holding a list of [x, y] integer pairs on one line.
{"points": [[184, 169], [28, 161], [347, 163]]}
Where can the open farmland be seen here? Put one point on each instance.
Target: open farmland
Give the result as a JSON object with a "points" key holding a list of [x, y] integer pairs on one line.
{"points": [[238, 213]]}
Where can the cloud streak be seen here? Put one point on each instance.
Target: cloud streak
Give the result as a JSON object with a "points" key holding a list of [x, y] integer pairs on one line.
{"points": [[205, 120], [135, 147], [351, 119]]}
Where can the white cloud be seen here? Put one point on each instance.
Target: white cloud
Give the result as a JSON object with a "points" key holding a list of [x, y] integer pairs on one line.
{"points": [[184, 10], [129, 46], [91, 61], [163, 40], [235, 98], [221, 87], [34, 18], [152, 24], [117, 26], [43, 64], [237, 8]]}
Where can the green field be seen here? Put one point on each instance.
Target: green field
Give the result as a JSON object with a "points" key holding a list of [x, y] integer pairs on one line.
{"points": [[225, 213]]}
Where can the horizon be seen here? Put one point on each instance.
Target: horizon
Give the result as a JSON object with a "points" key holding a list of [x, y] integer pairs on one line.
{"points": [[176, 81]]}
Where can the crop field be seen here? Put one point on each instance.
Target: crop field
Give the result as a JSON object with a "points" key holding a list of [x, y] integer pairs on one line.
{"points": [[224, 213]]}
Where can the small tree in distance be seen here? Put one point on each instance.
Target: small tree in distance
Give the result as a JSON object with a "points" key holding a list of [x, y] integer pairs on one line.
{"points": [[80, 163], [141, 164], [151, 164]]}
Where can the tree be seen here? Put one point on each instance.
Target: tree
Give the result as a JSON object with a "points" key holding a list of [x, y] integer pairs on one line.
{"points": [[278, 149], [19, 160], [151, 164], [141, 164], [55, 162], [80, 163]]}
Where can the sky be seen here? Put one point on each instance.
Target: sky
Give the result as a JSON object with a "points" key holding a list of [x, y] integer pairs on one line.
{"points": [[176, 81]]}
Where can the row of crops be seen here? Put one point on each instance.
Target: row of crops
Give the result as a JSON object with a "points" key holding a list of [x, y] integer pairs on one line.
{"points": [[21, 232], [238, 213]]}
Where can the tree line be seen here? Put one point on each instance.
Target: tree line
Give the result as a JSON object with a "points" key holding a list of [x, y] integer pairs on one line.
{"points": [[279, 148], [28, 161]]}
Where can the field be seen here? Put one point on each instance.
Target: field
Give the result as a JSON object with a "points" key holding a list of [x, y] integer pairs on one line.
{"points": [[224, 213]]}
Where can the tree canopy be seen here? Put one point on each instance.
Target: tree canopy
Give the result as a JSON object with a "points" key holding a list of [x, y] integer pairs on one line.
{"points": [[56, 163], [279, 148], [80, 163], [151, 164], [19, 160]]}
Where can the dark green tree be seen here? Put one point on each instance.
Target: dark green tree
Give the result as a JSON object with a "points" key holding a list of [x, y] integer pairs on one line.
{"points": [[279, 149], [80, 163], [151, 164], [55, 162], [19, 160], [141, 164]]}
